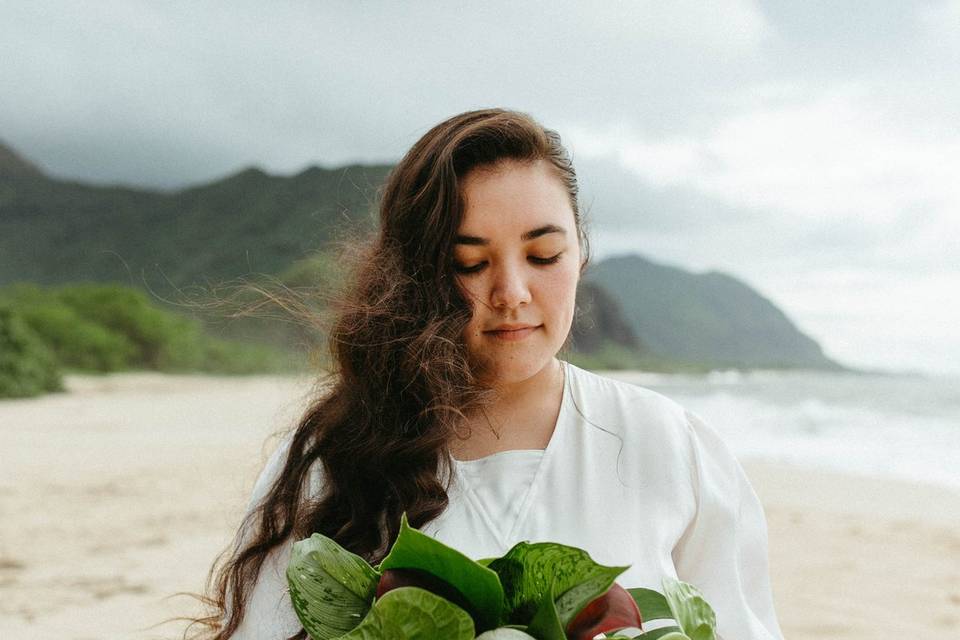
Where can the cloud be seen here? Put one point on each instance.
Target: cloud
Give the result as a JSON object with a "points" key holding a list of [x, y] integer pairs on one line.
{"points": [[889, 319], [179, 92], [831, 156], [831, 172], [940, 22]]}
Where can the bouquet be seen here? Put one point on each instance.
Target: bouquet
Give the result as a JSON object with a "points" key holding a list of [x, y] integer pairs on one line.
{"points": [[425, 590]]}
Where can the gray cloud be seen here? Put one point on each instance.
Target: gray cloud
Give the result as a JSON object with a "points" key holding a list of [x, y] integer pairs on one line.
{"points": [[307, 83]]}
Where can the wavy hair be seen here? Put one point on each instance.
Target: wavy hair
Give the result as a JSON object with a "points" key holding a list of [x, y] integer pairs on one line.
{"points": [[402, 381]]}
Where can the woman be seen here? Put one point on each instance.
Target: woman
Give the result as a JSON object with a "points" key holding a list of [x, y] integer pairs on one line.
{"points": [[449, 403]]}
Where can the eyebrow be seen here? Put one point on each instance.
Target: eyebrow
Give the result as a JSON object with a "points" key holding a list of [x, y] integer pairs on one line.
{"points": [[526, 237]]}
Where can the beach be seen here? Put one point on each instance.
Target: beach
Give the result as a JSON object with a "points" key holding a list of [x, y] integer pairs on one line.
{"points": [[119, 493]]}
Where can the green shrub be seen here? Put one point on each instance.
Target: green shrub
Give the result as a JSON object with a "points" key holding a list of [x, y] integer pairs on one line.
{"points": [[27, 366], [108, 327], [77, 342], [162, 340]]}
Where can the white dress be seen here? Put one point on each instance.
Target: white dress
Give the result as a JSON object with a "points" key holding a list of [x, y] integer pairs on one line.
{"points": [[629, 475]]}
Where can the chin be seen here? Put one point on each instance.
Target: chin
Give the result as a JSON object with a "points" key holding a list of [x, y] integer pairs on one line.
{"points": [[508, 371]]}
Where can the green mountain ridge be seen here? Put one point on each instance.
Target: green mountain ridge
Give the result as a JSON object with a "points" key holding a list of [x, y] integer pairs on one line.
{"points": [[249, 222], [711, 318], [632, 311]]}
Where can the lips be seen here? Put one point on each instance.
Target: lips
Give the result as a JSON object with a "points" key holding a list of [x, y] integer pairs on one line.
{"points": [[512, 327], [512, 332]]}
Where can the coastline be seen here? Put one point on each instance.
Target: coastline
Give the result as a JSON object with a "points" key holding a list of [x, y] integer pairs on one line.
{"points": [[121, 492]]}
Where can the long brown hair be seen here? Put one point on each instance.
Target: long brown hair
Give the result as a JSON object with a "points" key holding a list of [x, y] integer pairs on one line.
{"points": [[401, 379]]}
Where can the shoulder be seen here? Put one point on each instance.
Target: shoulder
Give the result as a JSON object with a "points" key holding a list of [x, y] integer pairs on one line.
{"points": [[649, 424], [626, 402], [274, 468]]}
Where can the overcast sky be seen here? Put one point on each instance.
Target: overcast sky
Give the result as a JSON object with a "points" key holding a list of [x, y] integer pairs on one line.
{"points": [[809, 148]]}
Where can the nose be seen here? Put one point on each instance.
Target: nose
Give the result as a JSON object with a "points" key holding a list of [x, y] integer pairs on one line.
{"points": [[510, 287]]}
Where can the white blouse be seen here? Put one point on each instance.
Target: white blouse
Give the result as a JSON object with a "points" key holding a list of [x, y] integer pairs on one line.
{"points": [[499, 483], [628, 475]]}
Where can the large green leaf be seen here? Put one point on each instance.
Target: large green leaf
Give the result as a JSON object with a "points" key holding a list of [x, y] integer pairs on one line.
{"points": [[546, 624], [412, 613], [652, 604], [527, 570], [331, 589], [690, 609], [578, 597], [478, 584]]}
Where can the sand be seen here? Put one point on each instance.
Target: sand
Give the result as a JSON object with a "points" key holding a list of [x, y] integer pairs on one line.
{"points": [[121, 492]]}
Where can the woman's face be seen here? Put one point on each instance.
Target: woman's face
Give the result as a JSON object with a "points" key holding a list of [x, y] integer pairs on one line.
{"points": [[517, 259]]}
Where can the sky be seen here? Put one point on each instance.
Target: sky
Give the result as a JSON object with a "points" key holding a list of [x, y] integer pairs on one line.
{"points": [[811, 149]]}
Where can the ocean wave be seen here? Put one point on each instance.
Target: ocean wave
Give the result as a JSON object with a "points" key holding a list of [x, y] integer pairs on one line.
{"points": [[905, 428]]}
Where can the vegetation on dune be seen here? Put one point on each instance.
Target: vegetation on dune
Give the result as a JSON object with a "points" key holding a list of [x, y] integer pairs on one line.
{"points": [[27, 366], [102, 328]]}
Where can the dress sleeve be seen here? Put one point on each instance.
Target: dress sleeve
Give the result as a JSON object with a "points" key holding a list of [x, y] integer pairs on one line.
{"points": [[723, 551], [268, 614]]}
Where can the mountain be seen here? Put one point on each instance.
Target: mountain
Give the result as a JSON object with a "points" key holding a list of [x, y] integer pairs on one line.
{"points": [[633, 312], [54, 231], [709, 318], [600, 321], [13, 164]]}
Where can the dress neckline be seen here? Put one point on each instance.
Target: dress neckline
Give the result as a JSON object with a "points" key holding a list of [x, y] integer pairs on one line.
{"points": [[565, 367], [507, 453], [504, 532]]}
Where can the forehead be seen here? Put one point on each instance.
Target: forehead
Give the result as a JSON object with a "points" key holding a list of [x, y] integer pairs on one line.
{"points": [[513, 198]]}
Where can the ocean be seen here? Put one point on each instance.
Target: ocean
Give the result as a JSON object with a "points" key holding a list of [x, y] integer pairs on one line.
{"points": [[903, 427]]}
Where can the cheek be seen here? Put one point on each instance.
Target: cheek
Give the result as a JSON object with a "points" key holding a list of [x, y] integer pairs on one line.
{"points": [[560, 292]]}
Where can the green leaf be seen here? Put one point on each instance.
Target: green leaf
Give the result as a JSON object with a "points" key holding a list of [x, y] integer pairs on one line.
{"points": [[526, 571], [652, 604], [478, 584], [690, 609], [546, 624], [576, 598], [411, 613], [505, 633], [331, 589]]}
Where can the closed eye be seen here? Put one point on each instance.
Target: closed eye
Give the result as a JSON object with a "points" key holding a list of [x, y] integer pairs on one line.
{"points": [[477, 268], [550, 260]]}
